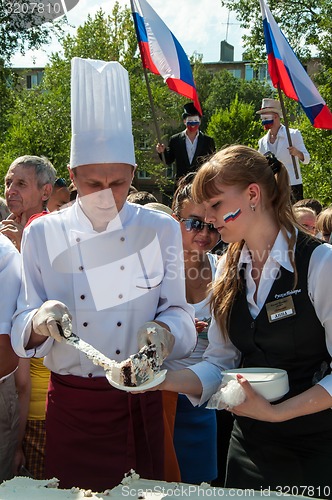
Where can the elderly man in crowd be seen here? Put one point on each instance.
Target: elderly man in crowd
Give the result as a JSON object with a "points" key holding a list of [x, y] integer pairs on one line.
{"points": [[28, 186]]}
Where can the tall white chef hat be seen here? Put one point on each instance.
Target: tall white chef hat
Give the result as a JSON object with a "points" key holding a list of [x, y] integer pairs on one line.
{"points": [[100, 113]]}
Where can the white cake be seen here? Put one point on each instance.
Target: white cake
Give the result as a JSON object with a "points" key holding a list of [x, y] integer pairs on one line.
{"points": [[132, 486], [138, 368], [25, 488]]}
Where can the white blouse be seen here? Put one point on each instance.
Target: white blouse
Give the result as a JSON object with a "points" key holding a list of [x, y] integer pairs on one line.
{"points": [[203, 313], [222, 355]]}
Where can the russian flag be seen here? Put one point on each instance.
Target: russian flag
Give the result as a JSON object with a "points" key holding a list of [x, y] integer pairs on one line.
{"points": [[287, 72], [161, 52]]}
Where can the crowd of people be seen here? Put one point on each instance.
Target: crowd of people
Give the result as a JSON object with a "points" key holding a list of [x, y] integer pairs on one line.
{"points": [[95, 257]]}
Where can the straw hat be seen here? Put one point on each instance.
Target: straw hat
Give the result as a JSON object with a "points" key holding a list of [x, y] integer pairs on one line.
{"points": [[270, 106]]}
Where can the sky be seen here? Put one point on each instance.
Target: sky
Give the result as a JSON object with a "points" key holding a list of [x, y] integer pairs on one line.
{"points": [[199, 26]]}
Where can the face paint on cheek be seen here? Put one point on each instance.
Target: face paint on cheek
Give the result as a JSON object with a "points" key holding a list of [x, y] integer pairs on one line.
{"points": [[231, 216]]}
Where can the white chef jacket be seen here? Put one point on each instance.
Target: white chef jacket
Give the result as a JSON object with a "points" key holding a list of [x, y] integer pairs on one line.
{"points": [[112, 282], [222, 355], [279, 149]]}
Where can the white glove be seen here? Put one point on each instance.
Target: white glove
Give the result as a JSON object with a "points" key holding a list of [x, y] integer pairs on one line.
{"points": [[44, 322], [152, 333]]}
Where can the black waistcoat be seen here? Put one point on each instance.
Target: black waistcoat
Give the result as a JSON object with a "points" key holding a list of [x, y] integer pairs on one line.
{"points": [[295, 343]]}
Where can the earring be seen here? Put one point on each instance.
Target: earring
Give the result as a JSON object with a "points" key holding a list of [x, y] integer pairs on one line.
{"points": [[253, 208]]}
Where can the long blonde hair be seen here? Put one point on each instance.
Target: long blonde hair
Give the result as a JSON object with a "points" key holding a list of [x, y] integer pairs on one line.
{"points": [[240, 166]]}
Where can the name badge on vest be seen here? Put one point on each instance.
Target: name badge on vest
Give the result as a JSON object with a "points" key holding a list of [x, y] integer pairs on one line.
{"points": [[280, 309]]}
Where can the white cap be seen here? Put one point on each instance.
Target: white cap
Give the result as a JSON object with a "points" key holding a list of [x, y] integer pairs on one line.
{"points": [[100, 113]]}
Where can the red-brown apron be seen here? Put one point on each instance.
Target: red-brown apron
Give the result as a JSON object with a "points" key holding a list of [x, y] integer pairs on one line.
{"points": [[95, 433]]}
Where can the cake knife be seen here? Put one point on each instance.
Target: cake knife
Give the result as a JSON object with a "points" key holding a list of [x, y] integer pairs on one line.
{"points": [[96, 356]]}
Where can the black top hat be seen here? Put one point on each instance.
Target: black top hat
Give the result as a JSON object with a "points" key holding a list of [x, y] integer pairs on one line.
{"points": [[190, 110]]}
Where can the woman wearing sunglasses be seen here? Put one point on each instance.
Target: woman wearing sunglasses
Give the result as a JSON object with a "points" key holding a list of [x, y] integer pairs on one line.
{"points": [[195, 428], [271, 303]]}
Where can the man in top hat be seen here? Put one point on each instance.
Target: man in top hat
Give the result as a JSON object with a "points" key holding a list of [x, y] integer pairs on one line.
{"points": [[111, 272], [276, 141], [188, 148]]}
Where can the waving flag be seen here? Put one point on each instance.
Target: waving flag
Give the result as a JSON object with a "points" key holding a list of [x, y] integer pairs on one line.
{"points": [[287, 72], [161, 52]]}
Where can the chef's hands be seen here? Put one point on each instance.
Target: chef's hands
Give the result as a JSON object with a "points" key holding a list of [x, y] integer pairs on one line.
{"points": [[153, 333], [51, 314]]}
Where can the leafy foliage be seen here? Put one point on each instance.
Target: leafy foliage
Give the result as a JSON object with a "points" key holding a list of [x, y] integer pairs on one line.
{"points": [[307, 25], [235, 125], [20, 32], [224, 88]]}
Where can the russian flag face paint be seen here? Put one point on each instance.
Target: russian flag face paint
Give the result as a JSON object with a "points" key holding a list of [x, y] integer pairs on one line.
{"points": [[267, 121], [231, 216]]}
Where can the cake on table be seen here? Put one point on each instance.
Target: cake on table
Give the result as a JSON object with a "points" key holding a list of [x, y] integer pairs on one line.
{"points": [[132, 486], [25, 488]]}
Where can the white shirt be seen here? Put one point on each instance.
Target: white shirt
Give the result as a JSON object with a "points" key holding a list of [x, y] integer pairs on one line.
{"points": [[222, 355], [191, 147], [203, 313], [279, 148], [112, 282]]}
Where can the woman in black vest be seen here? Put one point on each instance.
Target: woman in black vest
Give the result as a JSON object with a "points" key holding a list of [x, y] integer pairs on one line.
{"points": [[286, 445]]}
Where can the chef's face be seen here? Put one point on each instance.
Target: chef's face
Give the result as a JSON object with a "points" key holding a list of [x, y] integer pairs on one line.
{"points": [[102, 190]]}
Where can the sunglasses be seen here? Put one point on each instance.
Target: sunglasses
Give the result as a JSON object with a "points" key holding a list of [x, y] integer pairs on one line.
{"points": [[196, 225]]}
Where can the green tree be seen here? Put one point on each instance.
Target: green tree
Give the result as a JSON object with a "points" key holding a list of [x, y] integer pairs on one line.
{"points": [[307, 25], [21, 30], [317, 174], [224, 87], [235, 124], [39, 120]]}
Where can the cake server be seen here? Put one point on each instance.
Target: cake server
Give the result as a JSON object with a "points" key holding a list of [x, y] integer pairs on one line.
{"points": [[96, 356]]}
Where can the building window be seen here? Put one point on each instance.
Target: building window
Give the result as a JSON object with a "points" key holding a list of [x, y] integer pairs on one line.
{"points": [[249, 72], [235, 72], [144, 142], [170, 171], [143, 174], [34, 79]]}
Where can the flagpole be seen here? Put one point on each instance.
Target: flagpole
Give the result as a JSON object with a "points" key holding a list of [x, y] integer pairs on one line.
{"points": [[287, 130], [154, 115]]}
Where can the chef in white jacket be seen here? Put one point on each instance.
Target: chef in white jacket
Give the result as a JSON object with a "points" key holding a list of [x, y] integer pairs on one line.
{"points": [[105, 269]]}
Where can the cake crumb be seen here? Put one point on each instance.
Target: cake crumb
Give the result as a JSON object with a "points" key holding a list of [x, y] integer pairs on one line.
{"points": [[88, 493]]}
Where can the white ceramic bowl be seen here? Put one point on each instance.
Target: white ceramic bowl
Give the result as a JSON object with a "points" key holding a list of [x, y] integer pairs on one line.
{"points": [[271, 383]]}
